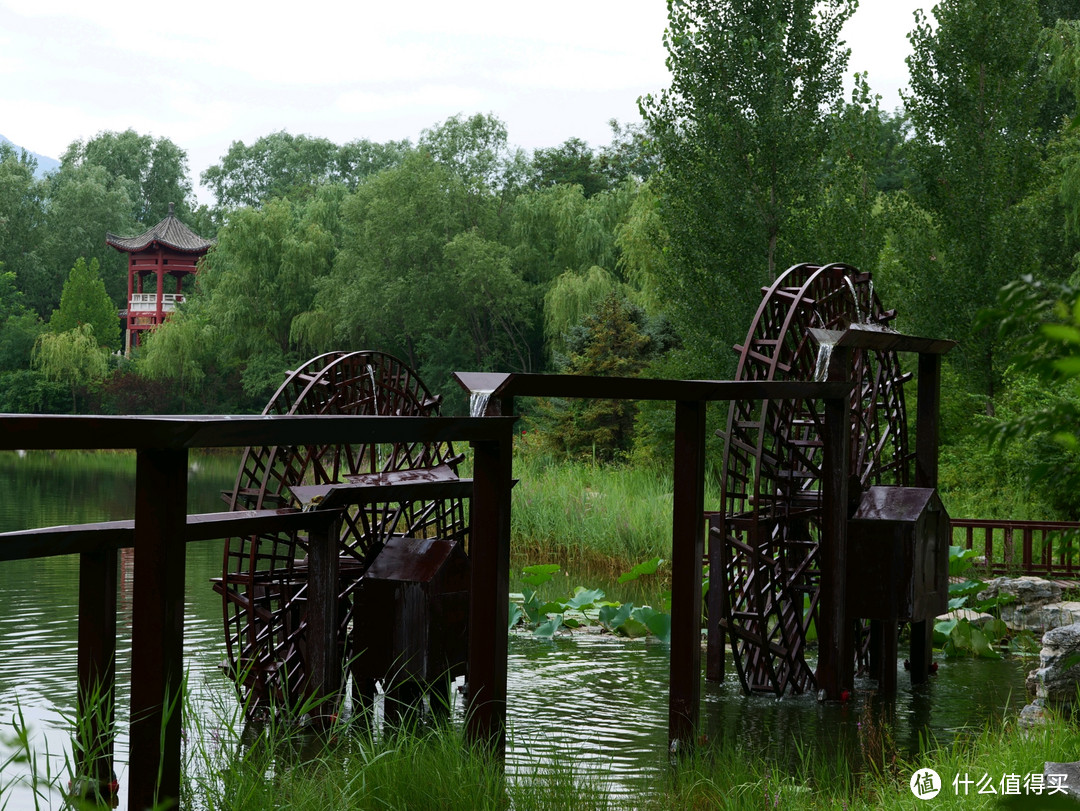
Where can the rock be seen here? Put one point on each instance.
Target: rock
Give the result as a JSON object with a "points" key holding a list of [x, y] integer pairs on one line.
{"points": [[1059, 666], [1066, 775], [1028, 590], [1035, 605], [979, 618], [1032, 716]]}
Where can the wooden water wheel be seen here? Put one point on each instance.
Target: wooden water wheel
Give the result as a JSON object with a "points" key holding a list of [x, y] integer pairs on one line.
{"points": [[770, 529], [264, 576]]}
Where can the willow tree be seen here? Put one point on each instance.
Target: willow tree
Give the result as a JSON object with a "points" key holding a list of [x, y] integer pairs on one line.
{"points": [[741, 133], [72, 357]]}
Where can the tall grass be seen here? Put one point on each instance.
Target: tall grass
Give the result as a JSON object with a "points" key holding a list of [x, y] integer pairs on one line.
{"points": [[876, 777], [601, 519], [353, 765]]}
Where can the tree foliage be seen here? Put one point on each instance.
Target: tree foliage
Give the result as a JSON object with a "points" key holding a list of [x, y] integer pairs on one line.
{"points": [[610, 342], [974, 105], [741, 133], [74, 358], [285, 165], [84, 301]]}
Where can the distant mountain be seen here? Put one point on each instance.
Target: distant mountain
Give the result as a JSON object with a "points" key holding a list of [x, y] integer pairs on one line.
{"points": [[44, 164]]}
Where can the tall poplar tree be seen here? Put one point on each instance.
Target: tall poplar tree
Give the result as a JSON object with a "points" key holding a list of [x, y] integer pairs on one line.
{"points": [[741, 133], [975, 104]]}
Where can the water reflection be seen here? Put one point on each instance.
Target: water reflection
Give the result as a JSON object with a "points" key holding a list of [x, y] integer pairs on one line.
{"points": [[601, 701]]}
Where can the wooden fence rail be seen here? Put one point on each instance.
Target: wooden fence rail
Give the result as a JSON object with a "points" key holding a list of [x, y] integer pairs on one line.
{"points": [[1040, 548]]}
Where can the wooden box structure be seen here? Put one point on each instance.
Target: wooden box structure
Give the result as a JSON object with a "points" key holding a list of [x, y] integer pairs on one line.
{"points": [[898, 555], [898, 565], [411, 616]]}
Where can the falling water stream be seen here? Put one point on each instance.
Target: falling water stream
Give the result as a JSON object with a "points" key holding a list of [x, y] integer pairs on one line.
{"points": [[478, 402], [602, 702]]}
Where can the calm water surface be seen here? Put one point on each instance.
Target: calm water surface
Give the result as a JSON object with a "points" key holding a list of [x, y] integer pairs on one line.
{"points": [[598, 701]]}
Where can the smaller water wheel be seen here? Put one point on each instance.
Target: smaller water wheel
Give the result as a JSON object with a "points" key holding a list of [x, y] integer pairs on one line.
{"points": [[264, 577], [770, 530]]}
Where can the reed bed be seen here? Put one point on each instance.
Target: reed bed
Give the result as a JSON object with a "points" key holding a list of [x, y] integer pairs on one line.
{"points": [[598, 519]]}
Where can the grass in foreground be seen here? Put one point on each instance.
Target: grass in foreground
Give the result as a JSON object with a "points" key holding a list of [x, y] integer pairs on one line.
{"points": [[348, 766], [432, 768]]}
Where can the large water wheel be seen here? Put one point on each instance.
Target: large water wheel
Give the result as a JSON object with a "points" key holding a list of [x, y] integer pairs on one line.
{"points": [[264, 577], [770, 529]]}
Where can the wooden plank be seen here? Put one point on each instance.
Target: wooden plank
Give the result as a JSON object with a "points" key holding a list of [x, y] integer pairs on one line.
{"points": [[80, 538], [621, 388]]}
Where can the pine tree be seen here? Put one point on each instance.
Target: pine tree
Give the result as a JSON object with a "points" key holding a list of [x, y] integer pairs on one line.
{"points": [[84, 301]]}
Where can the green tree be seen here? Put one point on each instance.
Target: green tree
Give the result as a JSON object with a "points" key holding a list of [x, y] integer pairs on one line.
{"points": [[259, 277], [844, 225], [974, 105], [477, 150], [572, 163], [1040, 322], [610, 342], [19, 326], [22, 221], [74, 358], [84, 202], [84, 301], [740, 133], [285, 165], [153, 171]]}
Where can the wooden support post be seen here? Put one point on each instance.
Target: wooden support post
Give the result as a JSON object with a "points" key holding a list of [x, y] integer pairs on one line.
{"points": [[324, 663], [96, 673], [687, 548], [489, 594], [157, 637], [887, 679], [927, 422], [836, 652], [716, 638]]}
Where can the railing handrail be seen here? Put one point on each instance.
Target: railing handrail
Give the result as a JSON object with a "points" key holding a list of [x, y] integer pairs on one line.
{"points": [[63, 432]]}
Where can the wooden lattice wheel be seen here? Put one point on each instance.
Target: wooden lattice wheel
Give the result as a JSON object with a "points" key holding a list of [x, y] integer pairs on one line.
{"points": [[770, 529], [264, 577]]}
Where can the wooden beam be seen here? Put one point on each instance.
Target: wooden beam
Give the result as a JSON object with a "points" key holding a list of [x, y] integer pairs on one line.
{"points": [[687, 549], [157, 637], [489, 593]]}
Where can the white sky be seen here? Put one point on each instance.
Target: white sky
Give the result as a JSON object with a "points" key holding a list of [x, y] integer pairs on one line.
{"points": [[207, 73]]}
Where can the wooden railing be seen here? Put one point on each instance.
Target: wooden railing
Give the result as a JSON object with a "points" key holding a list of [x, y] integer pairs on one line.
{"points": [[161, 530], [1041, 548]]}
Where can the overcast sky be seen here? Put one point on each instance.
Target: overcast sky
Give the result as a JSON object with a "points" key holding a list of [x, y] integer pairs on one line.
{"points": [[207, 73]]}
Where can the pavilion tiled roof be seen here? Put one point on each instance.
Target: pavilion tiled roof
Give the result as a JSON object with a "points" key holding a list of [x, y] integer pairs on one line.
{"points": [[170, 232]]}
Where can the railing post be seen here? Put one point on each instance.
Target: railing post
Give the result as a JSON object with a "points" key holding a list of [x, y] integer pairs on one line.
{"points": [[157, 638], [96, 673], [324, 663], [927, 431], [489, 594], [687, 548], [836, 651]]}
